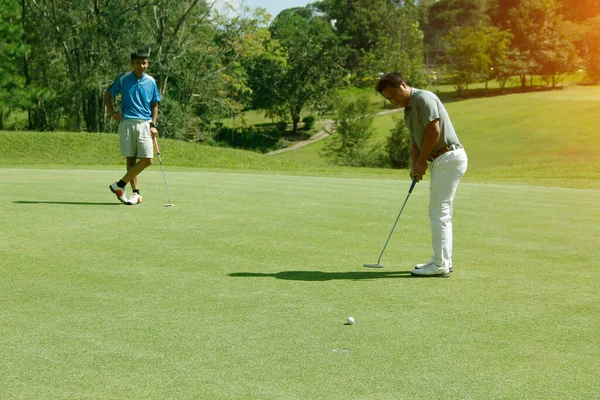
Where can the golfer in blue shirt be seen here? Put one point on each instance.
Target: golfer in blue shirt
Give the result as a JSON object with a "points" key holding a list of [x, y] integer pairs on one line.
{"points": [[137, 118]]}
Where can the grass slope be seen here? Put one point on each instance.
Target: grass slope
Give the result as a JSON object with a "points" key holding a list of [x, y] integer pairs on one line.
{"points": [[543, 137], [101, 151], [241, 290], [72, 149]]}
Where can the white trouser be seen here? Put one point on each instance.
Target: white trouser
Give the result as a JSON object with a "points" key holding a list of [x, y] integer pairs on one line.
{"points": [[446, 171]]}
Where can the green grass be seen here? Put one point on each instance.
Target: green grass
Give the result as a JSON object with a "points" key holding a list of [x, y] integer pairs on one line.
{"points": [[241, 290], [68, 150], [517, 137], [446, 92]]}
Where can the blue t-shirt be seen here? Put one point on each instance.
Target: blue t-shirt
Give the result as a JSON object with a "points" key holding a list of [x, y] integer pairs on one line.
{"points": [[137, 95]]}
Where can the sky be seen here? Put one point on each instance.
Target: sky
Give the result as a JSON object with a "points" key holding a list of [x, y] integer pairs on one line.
{"points": [[274, 7]]}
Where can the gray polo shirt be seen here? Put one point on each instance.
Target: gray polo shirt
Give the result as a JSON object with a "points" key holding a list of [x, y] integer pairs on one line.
{"points": [[424, 107]]}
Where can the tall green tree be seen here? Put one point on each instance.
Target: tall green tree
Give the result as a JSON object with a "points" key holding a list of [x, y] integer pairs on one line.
{"points": [[381, 35], [350, 145], [539, 31], [13, 51], [194, 62], [400, 48], [447, 15], [398, 145], [591, 47], [73, 44], [307, 70], [473, 52], [580, 10], [359, 25]]}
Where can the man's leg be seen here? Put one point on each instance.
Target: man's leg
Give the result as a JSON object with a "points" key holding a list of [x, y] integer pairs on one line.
{"points": [[144, 153], [127, 147], [134, 169], [446, 172], [134, 181]]}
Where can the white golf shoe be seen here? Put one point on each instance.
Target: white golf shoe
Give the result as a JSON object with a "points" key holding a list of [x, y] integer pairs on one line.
{"points": [[419, 266], [119, 192], [135, 199], [431, 270]]}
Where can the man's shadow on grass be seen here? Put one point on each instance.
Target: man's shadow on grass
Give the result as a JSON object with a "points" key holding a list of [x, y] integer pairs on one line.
{"points": [[320, 276], [68, 203]]}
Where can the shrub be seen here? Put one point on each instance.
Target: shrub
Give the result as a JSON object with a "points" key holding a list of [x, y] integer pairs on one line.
{"points": [[398, 145], [350, 144], [309, 122], [281, 126]]}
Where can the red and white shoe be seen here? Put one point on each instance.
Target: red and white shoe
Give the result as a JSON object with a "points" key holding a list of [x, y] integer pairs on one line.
{"points": [[135, 199], [119, 192]]}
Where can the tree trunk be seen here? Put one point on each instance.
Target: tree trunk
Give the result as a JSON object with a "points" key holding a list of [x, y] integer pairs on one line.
{"points": [[26, 64], [100, 105], [295, 121], [40, 116], [90, 112], [79, 112]]}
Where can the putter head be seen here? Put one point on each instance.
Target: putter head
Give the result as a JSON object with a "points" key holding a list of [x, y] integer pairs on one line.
{"points": [[373, 265], [169, 205]]}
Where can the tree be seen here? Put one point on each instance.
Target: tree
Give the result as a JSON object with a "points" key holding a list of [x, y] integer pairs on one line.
{"points": [[591, 47], [580, 10], [398, 145], [514, 64], [358, 24], [381, 35], [12, 53], [305, 69], [400, 48], [471, 52], [539, 32], [350, 144], [74, 49], [445, 16]]}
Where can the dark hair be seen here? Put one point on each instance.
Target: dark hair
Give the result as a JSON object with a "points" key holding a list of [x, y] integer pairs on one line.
{"points": [[140, 53], [391, 79]]}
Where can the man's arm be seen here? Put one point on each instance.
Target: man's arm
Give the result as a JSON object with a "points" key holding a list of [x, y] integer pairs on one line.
{"points": [[430, 139], [414, 155], [153, 130], [109, 107]]}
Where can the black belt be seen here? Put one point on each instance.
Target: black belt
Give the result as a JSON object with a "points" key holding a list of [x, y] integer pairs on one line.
{"points": [[444, 150]]}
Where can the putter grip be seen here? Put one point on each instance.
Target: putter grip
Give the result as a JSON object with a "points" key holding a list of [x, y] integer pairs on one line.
{"points": [[156, 145], [414, 182]]}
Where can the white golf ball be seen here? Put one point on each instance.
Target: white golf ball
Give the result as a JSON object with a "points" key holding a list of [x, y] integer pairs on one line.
{"points": [[350, 321]]}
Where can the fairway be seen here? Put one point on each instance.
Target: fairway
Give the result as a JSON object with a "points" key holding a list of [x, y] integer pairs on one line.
{"points": [[242, 290], [512, 135]]}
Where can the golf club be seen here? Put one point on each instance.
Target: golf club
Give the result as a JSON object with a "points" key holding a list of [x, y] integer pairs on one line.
{"points": [[163, 172], [378, 265]]}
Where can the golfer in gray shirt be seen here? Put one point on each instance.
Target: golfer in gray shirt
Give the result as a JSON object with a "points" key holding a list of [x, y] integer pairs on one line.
{"points": [[434, 146]]}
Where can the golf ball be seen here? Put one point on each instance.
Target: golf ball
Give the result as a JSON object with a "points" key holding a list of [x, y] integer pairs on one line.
{"points": [[350, 321]]}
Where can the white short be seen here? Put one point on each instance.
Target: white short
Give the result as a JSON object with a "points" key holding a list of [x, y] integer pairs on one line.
{"points": [[135, 138]]}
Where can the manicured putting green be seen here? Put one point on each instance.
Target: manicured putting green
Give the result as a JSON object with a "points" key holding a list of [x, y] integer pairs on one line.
{"points": [[243, 290]]}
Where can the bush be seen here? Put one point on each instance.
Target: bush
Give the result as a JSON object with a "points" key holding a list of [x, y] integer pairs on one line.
{"points": [[176, 121], [249, 138], [398, 145], [350, 144], [281, 126], [309, 122]]}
